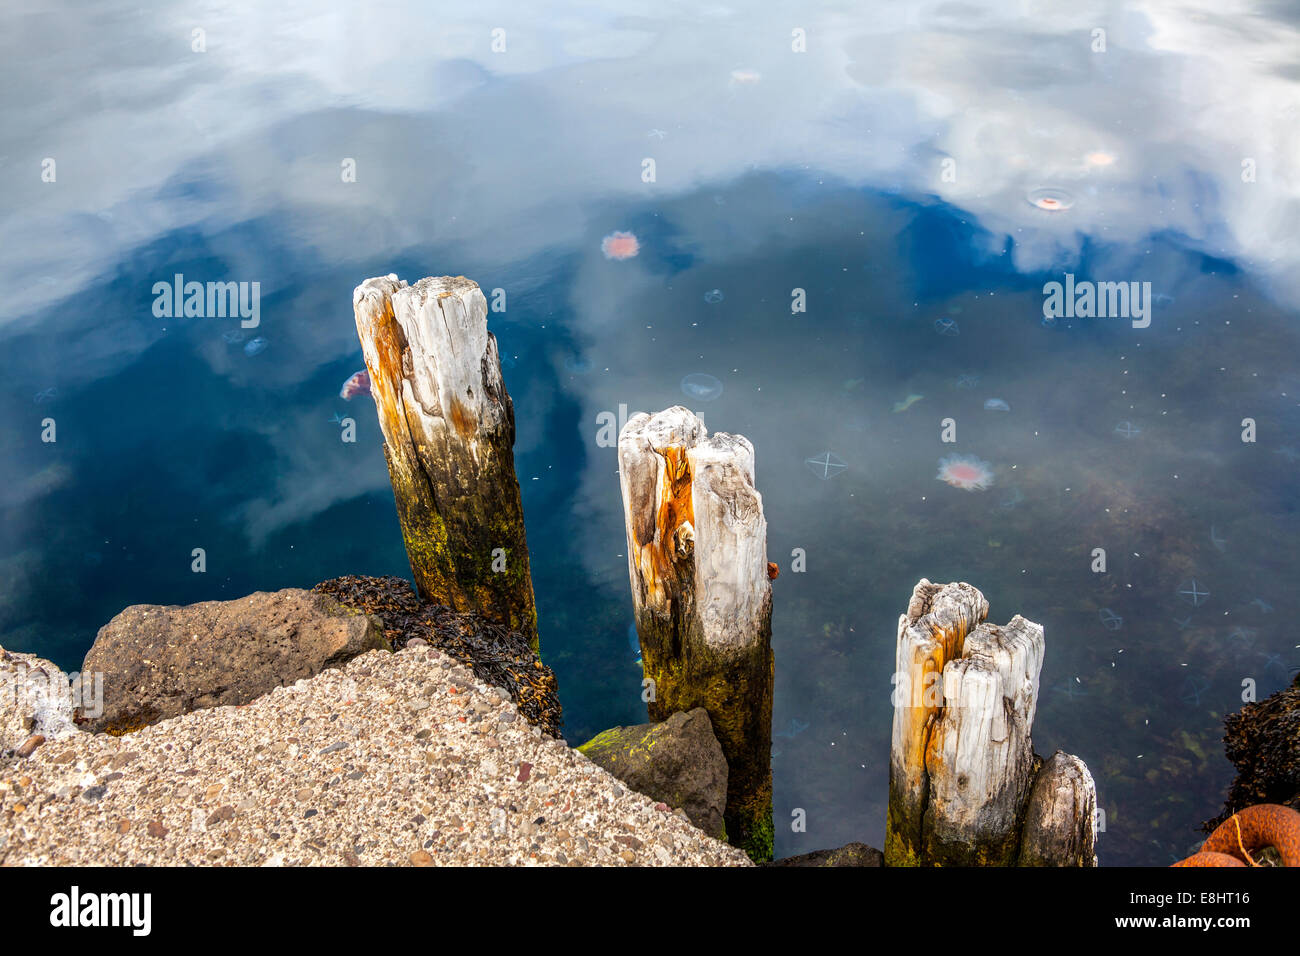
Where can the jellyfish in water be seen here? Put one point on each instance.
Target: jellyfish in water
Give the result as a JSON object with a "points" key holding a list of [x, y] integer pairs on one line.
{"points": [[996, 405], [967, 380], [45, 395], [1053, 200], [826, 465], [792, 729], [1193, 688], [713, 296], [966, 472], [620, 245], [946, 326], [1110, 620], [702, 387], [1193, 593], [232, 336], [1127, 430], [634, 642], [576, 364], [256, 346], [358, 384]]}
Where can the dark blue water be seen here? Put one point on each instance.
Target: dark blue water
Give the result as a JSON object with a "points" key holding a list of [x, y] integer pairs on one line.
{"points": [[776, 170]]}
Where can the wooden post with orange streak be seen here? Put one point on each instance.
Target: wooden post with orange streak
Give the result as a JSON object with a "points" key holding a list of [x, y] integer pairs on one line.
{"points": [[702, 595], [965, 787], [449, 433]]}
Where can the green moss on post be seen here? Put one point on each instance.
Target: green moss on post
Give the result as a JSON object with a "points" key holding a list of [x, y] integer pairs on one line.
{"points": [[697, 560], [449, 431]]}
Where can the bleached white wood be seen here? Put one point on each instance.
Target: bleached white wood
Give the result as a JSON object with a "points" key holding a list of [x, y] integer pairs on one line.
{"points": [[697, 563], [962, 765], [449, 431]]}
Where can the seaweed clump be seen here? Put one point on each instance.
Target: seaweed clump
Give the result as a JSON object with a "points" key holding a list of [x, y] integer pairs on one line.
{"points": [[1263, 742], [496, 654]]}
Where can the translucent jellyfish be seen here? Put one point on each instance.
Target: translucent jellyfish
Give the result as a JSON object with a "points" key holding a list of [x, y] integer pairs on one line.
{"points": [[967, 380], [620, 245], [996, 405], [576, 364], [1193, 688], [1193, 592], [701, 387], [792, 729], [1051, 199], [1244, 635], [256, 346], [966, 472], [1099, 158], [946, 326], [1127, 430], [232, 336], [826, 465], [1110, 620], [1071, 688], [713, 296], [45, 395], [358, 384]]}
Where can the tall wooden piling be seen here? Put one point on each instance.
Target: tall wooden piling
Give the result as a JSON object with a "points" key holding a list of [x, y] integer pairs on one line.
{"points": [[962, 764], [449, 432], [697, 560]]}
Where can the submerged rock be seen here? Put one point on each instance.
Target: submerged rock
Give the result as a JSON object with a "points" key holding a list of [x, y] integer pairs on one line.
{"points": [[678, 762], [1263, 742], [159, 662], [851, 854]]}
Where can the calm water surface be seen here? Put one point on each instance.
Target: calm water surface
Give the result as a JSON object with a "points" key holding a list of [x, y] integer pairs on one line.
{"points": [[920, 173]]}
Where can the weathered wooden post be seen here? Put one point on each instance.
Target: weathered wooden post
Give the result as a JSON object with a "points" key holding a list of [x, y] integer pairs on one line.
{"points": [[1060, 819], [962, 764], [697, 559], [449, 432]]}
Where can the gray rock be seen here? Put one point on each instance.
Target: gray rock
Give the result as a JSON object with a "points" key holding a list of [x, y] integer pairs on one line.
{"points": [[851, 854], [678, 762], [160, 662]]}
